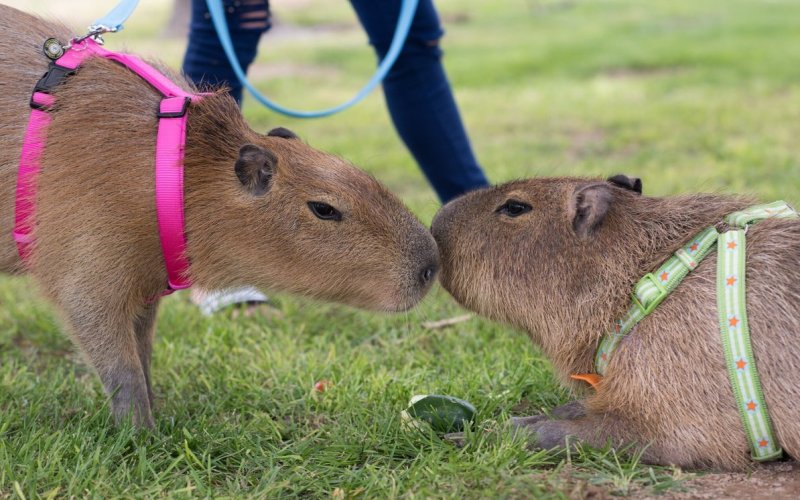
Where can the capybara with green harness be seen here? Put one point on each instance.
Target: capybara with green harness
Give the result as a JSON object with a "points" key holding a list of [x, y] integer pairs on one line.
{"points": [[560, 258]]}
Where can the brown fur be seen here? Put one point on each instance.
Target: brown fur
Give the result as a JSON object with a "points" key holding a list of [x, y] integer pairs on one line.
{"points": [[565, 281], [97, 253]]}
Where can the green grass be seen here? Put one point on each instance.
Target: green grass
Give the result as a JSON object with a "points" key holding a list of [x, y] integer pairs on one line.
{"points": [[688, 95]]}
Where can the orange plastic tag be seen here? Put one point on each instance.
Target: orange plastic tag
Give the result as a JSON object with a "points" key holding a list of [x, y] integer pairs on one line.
{"points": [[590, 378]]}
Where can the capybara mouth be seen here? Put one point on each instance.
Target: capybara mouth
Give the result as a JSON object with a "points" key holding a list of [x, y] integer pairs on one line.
{"points": [[422, 283]]}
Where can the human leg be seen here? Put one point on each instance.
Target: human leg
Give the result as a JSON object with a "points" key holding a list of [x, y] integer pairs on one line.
{"points": [[419, 97], [205, 62]]}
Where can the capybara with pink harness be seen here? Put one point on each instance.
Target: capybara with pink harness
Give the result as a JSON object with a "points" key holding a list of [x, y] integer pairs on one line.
{"points": [[119, 184]]}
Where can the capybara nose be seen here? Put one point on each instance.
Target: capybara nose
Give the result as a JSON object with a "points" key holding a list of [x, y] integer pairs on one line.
{"points": [[441, 221], [428, 273], [439, 226]]}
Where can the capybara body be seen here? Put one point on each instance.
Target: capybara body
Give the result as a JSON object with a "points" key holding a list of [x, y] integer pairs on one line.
{"points": [[559, 258], [261, 210]]}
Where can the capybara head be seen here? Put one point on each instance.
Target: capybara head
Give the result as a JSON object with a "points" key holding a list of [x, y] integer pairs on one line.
{"points": [[528, 251], [279, 214], [558, 256], [499, 245]]}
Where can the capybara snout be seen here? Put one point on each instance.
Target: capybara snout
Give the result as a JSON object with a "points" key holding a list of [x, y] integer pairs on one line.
{"points": [[334, 232], [487, 238]]}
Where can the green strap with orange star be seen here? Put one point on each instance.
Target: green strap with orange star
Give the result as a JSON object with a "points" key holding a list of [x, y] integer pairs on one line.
{"points": [[732, 309], [653, 288]]}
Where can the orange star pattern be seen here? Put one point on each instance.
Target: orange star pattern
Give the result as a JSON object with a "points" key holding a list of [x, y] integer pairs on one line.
{"points": [[763, 443], [733, 321], [731, 245], [694, 247], [604, 356], [664, 276], [741, 364], [731, 280], [752, 406]]}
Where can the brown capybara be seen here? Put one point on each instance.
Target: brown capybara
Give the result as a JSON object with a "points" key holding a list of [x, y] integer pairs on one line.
{"points": [[261, 210], [559, 258]]}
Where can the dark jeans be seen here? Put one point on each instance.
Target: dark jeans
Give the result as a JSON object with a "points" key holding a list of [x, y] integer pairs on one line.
{"points": [[417, 92]]}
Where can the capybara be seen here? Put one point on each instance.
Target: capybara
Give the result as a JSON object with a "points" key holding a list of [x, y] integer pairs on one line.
{"points": [[558, 257], [261, 209]]}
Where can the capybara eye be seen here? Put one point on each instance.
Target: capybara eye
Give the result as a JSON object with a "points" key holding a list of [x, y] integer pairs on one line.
{"points": [[513, 208], [324, 211]]}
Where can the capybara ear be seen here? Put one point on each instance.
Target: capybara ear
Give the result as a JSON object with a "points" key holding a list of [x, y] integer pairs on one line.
{"points": [[254, 168], [284, 133], [630, 183], [588, 207]]}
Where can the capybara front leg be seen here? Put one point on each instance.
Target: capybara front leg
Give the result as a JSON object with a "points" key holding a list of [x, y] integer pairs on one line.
{"points": [[595, 430], [109, 341], [144, 329], [571, 410]]}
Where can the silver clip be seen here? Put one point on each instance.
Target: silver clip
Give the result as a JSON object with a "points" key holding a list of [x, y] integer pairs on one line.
{"points": [[94, 33]]}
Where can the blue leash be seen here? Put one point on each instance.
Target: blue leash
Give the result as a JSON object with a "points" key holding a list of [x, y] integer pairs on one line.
{"points": [[407, 10], [114, 20]]}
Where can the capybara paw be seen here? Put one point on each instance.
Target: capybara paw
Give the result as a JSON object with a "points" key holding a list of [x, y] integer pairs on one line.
{"points": [[518, 423], [139, 419], [549, 434], [137, 412]]}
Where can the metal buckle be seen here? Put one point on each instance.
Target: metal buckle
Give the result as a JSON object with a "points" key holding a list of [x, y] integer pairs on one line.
{"points": [[94, 32], [662, 294]]}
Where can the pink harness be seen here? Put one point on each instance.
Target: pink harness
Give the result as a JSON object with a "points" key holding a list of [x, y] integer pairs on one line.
{"points": [[170, 142]]}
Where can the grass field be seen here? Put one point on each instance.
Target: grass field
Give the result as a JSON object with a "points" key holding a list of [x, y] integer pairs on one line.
{"points": [[689, 95]]}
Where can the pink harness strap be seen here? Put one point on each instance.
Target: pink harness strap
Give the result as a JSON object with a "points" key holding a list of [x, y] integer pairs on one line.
{"points": [[169, 189], [170, 143], [32, 147]]}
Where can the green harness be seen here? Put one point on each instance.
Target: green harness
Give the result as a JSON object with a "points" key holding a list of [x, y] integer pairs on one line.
{"points": [[653, 288]]}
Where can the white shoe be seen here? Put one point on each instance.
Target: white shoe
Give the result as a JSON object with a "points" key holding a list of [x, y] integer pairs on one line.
{"points": [[213, 301]]}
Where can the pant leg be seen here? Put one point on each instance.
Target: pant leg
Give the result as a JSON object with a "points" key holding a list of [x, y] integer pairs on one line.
{"points": [[419, 97], [205, 63]]}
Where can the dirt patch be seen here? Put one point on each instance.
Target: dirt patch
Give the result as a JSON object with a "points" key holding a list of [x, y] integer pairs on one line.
{"points": [[772, 481], [775, 481]]}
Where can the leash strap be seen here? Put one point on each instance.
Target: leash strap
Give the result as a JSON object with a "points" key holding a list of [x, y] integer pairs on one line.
{"points": [[119, 14], [652, 289], [407, 10]]}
